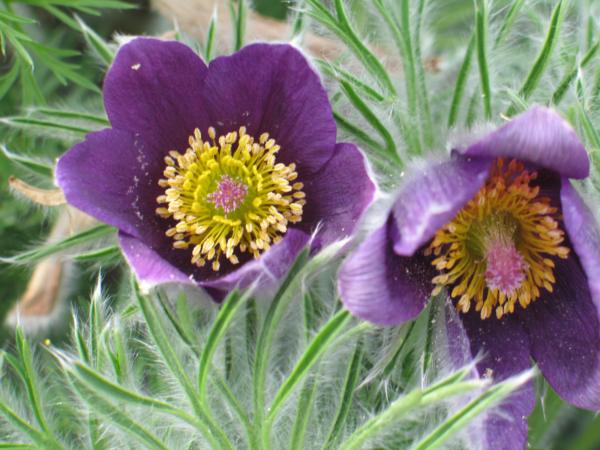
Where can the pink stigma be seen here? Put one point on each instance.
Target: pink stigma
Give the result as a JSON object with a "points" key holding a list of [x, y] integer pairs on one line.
{"points": [[229, 195], [505, 267]]}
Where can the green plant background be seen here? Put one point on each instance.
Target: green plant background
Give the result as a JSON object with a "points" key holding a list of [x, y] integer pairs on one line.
{"points": [[363, 114]]}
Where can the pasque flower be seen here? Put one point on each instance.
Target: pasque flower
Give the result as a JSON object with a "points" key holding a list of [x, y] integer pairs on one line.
{"points": [[500, 230], [215, 174]]}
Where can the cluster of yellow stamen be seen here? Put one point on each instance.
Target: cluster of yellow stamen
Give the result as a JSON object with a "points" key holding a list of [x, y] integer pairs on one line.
{"points": [[228, 196], [499, 248]]}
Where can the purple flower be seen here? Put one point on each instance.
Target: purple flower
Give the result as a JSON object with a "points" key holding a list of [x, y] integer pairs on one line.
{"points": [[500, 229], [216, 175]]}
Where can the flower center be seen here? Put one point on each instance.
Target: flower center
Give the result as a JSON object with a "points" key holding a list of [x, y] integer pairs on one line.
{"points": [[499, 248], [228, 196]]}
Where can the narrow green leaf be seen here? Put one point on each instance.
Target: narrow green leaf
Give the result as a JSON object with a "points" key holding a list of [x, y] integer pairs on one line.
{"points": [[28, 122], [423, 95], [226, 314], [240, 24], [175, 323], [358, 133], [461, 79], [351, 381], [371, 117], [571, 74], [541, 62], [317, 347], [6, 16], [111, 251], [508, 22], [280, 302], [96, 382], [481, 35], [8, 79], [98, 45], [210, 36], [402, 39], [20, 424], [303, 413], [32, 164], [83, 237], [161, 339], [73, 115], [29, 379], [116, 415], [381, 421], [344, 30], [335, 71], [489, 398]]}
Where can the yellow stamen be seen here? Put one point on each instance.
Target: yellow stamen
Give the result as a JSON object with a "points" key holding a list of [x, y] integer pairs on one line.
{"points": [[497, 251], [227, 196]]}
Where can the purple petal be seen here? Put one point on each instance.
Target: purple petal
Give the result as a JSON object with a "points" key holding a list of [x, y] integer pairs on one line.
{"points": [[433, 197], [272, 89], [338, 194], [582, 229], [377, 285], [103, 177], [504, 347], [539, 136], [266, 270], [564, 327], [154, 90], [149, 267]]}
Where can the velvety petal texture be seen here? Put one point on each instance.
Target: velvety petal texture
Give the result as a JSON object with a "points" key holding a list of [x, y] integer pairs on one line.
{"points": [[540, 137], [149, 267], [154, 90], [380, 286], [564, 327], [337, 194], [271, 89], [503, 349], [102, 176], [432, 197]]}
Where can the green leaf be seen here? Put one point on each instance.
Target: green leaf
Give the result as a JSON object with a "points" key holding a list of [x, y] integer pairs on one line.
{"points": [[481, 34], [572, 73], [44, 125], [279, 304], [228, 310], [337, 72], [20, 424], [24, 353], [317, 347], [541, 62], [489, 398], [116, 415], [240, 24], [55, 247], [381, 421], [210, 36], [508, 22], [371, 117], [461, 79], [103, 254], [32, 164], [161, 339], [350, 383], [98, 45], [8, 79], [344, 30]]}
